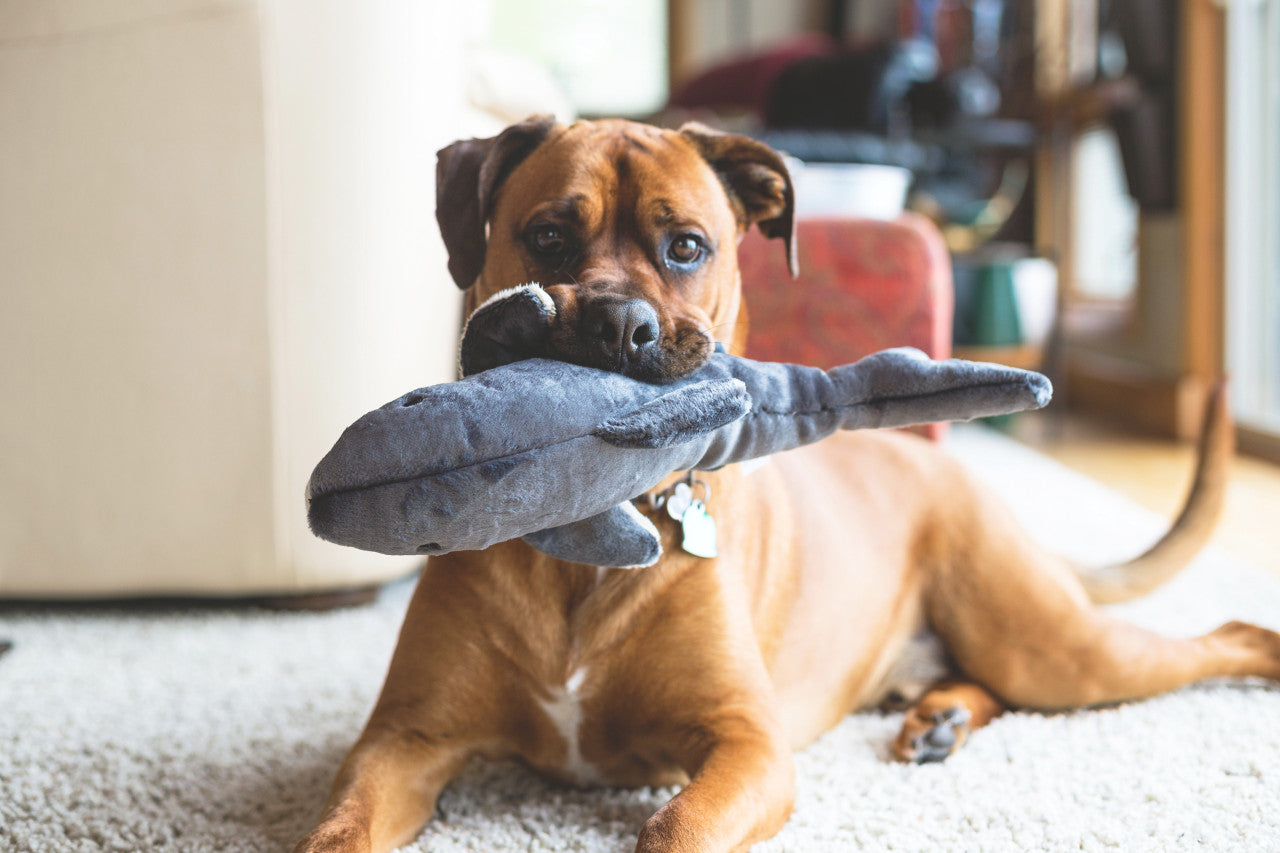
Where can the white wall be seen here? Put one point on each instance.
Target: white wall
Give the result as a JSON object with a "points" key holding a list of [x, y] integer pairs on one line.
{"points": [[610, 57], [359, 98]]}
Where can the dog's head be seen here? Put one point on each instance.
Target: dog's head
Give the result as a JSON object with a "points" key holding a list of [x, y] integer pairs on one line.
{"points": [[632, 230]]}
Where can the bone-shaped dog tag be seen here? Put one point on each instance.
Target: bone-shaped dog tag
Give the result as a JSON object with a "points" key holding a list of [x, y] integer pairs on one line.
{"points": [[699, 531]]}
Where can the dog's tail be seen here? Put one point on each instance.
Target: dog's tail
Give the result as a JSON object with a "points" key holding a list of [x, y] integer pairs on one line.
{"points": [[1195, 523]]}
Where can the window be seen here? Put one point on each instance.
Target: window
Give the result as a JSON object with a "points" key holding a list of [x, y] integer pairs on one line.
{"points": [[1253, 213], [1105, 226]]}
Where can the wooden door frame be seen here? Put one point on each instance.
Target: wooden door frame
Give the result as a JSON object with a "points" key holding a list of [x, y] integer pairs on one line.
{"points": [[1132, 392]]}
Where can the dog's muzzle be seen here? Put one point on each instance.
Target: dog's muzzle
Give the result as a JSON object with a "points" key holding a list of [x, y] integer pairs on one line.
{"points": [[624, 332]]}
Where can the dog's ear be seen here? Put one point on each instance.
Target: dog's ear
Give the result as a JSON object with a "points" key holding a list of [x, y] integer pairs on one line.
{"points": [[757, 181], [468, 175]]}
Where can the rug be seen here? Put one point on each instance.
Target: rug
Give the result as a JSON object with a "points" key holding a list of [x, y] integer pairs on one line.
{"points": [[218, 729]]}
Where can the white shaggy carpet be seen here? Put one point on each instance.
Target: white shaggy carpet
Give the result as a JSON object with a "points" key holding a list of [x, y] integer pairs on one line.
{"points": [[202, 729]]}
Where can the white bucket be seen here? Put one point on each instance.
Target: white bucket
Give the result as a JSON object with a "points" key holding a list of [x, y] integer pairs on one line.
{"points": [[853, 190]]}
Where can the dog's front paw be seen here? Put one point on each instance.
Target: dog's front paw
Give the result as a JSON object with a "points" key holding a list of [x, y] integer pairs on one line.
{"points": [[931, 735], [335, 837]]}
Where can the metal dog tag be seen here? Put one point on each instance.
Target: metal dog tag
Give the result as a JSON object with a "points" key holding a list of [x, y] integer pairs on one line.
{"points": [[699, 531], [679, 500]]}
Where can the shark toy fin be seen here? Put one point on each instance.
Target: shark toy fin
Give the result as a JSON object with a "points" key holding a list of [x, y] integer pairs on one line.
{"points": [[510, 326], [620, 537], [680, 416]]}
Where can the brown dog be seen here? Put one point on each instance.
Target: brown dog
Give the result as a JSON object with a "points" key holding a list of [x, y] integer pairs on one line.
{"points": [[833, 560]]}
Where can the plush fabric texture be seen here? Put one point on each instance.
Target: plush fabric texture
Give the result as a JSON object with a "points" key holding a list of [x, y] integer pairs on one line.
{"points": [[680, 417], [174, 729], [619, 537], [512, 325], [540, 444], [506, 452], [525, 444]]}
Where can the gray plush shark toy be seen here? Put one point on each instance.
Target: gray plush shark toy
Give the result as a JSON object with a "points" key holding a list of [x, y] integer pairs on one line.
{"points": [[555, 452]]}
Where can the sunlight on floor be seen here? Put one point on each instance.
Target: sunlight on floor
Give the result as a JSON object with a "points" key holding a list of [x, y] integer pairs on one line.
{"points": [[1156, 473]]}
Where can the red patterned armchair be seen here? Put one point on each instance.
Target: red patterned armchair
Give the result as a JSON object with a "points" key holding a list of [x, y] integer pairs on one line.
{"points": [[864, 285]]}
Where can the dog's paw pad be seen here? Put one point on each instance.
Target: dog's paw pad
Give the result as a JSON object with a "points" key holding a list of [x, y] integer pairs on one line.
{"points": [[928, 737]]}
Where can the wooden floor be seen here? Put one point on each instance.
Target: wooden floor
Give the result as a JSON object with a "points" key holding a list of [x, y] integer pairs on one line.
{"points": [[1156, 473]]}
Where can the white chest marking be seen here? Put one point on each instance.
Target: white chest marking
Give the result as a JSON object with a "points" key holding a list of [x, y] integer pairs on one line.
{"points": [[565, 710]]}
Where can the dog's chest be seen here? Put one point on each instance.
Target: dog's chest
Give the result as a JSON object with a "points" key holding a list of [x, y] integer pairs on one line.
{"points": [[591, 740], [563, 707], [599, 721]]}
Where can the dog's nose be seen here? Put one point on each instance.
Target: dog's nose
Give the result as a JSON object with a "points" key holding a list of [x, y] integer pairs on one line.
{"points": [[623, 328]]}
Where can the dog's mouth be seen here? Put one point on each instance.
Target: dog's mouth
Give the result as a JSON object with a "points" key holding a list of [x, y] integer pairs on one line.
{"points": [[659, 359], [623, 333], [618, 334], [667, 360]]}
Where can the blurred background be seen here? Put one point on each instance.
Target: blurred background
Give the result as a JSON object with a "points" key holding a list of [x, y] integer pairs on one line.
{"points": [[218, 246]]}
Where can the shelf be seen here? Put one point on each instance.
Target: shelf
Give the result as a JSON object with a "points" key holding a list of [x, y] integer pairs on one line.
{"points": [[1025, 356]]}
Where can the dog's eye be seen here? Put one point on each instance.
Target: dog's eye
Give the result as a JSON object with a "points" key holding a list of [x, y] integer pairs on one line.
{"points": [[547, 240], [685, 249]]}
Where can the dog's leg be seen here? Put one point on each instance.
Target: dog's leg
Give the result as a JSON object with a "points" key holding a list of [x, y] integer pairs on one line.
{"points": [[1090, 658], [385, 791], [741, 791], [1099, 660], [437, 706], [1120, 662], [1019, 622], [943, 719]]}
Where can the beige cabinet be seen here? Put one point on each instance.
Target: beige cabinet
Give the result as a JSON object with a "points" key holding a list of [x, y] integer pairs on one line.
{"points": [[217, 249]]}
